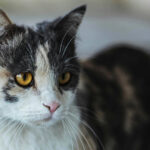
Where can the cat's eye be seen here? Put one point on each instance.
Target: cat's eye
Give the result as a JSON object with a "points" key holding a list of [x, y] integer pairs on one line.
{"points": [[24, 79], [64, 78]]}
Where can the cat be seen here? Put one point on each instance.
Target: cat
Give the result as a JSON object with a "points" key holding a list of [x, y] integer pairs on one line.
{"points": [[50, 100], [39, 74]]}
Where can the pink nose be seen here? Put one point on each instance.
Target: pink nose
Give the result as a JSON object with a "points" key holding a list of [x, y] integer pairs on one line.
{"points": [[52, 106]]}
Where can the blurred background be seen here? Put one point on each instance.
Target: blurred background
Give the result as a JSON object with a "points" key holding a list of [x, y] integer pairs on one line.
{"points": [[106, 22]]}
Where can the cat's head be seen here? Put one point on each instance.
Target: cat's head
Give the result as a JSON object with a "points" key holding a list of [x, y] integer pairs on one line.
{"points": [[39, 71]]}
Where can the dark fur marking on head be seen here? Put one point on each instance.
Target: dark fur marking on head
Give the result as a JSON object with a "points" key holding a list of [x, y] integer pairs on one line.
{"points": [[6, 90], [11, 99]]}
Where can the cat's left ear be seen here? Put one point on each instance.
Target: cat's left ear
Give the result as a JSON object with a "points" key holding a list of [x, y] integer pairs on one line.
{"points": [[70, 22], [4, 20]]}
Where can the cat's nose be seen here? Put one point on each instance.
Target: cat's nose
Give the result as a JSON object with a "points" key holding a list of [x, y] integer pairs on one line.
{"points": [[53, 106]]}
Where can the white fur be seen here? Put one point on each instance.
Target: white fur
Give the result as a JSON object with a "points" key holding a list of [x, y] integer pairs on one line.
{"points": [[22, 123], [34, 138]]}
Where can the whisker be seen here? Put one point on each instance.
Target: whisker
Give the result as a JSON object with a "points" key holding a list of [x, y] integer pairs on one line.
{"points": [[69, 134], [60, 49], [69, 59], [11, 129], [82, 134], [72, 69], [73, 134], [14, 135], [20, 131], [84, 111], [64, 51], [78, 136], [71, 65], [88, 126], [5, 124], [29, 50]]}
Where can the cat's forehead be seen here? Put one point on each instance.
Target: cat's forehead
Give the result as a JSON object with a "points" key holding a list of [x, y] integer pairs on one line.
{"points": [[18, 47], [11, 36], [24, 49]]}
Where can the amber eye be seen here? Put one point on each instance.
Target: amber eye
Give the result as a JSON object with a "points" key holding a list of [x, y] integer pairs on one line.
{"points": [[24, 79], [64, 78]]}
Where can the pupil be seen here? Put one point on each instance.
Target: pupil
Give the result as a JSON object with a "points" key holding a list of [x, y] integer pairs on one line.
{"points": [[63, 76], [24, 76]]}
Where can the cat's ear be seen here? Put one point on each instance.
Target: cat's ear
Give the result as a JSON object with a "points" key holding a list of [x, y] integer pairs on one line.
{"points": [[70, 22], [4, 20]]}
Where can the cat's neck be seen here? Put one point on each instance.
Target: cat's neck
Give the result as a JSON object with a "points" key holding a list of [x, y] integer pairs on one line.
{"points": [[17, 137]]}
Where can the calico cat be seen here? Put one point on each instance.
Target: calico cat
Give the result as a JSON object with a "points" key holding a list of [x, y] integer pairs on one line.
{"points": [[49, 100], [39, 75]]}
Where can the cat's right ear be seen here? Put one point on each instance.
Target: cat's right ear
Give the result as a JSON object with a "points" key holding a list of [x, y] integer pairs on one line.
{"points": [[4, 19]]}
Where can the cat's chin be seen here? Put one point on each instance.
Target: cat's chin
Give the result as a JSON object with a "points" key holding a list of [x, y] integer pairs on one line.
{"points": [[45, 123]]}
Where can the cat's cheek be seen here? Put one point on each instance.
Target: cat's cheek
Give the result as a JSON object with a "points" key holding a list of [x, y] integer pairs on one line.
{"points": [[68, 97], [8, 110], [25, 109]]}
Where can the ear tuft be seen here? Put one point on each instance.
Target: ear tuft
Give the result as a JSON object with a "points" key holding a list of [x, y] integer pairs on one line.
{"points": [[4, 20], [81, 10], [77, 14]]}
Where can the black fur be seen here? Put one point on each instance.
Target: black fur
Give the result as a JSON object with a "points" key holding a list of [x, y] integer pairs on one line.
{"points": [[104, 90], [6, 89]]}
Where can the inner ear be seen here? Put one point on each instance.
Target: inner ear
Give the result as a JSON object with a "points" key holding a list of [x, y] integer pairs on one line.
{"points": [[4, 19]]}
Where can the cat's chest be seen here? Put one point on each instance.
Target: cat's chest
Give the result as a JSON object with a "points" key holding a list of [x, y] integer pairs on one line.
{"points": [[36, 140]]}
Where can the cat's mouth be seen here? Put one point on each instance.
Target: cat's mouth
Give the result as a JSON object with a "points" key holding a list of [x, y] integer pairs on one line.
{"points": [[49, 120], [43, 120]]}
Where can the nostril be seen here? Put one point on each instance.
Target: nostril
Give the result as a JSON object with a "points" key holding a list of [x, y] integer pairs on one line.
{"points": [[52, 106], [46, 106]]}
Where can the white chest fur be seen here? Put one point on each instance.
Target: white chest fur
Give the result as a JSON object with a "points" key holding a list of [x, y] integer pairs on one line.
{"points": [[53, 138]]}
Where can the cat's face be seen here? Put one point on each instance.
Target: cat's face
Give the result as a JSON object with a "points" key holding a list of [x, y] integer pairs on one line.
{"points": [[38, 70]]}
